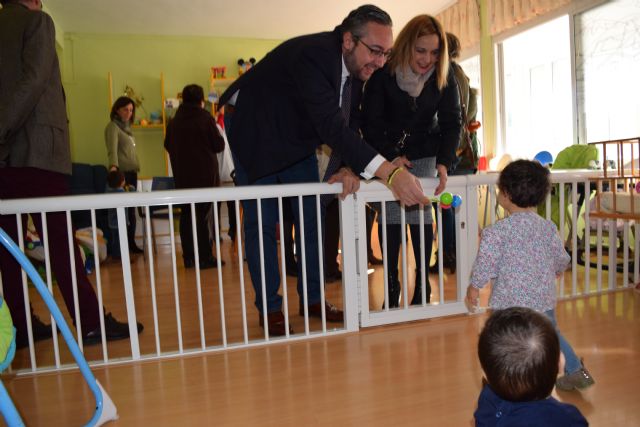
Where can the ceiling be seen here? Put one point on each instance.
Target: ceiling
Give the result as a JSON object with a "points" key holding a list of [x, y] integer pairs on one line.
{"points": [[264, 19]]}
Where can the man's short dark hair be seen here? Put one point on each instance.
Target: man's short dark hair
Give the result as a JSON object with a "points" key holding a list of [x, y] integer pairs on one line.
{"points": [[358, 18], [519, 352], [115, 178], [192, 94], [526, 182]]}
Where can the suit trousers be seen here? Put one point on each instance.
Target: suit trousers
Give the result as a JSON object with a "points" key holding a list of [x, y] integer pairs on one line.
{"points": [[27, 182], [302, 172]]}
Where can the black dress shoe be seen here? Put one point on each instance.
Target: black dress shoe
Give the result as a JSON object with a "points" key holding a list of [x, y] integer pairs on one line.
{"points": [[292, 270], [373, 260], [449, 262], [41, 331], [210, 263], [135, 250], [333, 277], [331, 312], [113, 330], [275, 320]]}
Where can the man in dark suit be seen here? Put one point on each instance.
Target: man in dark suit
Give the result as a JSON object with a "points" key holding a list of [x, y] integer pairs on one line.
{"points": [[35, 161], [288, 104]]}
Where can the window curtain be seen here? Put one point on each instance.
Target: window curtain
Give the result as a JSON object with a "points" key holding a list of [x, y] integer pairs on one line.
{"points": [[506, 14], [463, 20]]}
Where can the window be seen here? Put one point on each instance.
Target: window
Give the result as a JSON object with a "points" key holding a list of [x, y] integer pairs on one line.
{"points": [[537, 92], [608, 71]]}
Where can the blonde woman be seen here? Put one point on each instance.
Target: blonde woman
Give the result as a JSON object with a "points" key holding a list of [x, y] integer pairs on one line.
{"points": [[411, 115]]}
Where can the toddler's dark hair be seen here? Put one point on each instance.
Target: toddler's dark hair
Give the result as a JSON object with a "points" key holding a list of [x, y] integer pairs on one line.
{"points": [[525, 182], [519, 353], [115, 179]]}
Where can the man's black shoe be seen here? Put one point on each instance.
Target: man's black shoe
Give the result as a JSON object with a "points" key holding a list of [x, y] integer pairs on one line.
{"points": [[135, 250], [113, 330], [41, 331], [333, 277]]}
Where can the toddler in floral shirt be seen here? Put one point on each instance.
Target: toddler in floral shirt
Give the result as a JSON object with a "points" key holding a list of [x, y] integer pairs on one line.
{"points": [[522, 255]]}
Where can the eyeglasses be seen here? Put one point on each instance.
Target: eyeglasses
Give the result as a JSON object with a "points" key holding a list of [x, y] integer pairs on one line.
{"points": [[378, 53]]}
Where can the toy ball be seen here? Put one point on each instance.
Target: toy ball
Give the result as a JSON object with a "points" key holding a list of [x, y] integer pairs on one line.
{"points": [[457, 201], [445, 206], [446, 199], [544, 158]]}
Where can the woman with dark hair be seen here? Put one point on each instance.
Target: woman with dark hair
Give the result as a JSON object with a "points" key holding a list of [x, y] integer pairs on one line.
{"points": [[121, 149], [411, 115]]}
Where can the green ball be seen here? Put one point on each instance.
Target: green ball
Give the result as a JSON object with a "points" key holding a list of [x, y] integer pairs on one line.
{"points": [[446, 198]]}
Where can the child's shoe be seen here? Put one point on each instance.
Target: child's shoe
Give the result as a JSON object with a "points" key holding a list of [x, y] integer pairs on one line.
{"points": [[578, 380]]}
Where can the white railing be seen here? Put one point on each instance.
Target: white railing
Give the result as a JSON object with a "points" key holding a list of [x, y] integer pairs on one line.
{"points": [[358, 290]]}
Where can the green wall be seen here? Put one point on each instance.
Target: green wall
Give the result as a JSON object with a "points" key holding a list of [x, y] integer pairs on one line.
{"points": [[138, 61]]}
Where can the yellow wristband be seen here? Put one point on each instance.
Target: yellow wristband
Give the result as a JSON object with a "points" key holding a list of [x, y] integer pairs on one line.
{"points": [[393, 174]]}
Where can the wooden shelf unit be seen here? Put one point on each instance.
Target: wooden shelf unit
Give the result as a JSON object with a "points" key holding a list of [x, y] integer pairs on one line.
{"points": [[163, 124]]}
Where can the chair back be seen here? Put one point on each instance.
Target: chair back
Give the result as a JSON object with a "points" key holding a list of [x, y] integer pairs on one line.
{"points": [[159, 183]]}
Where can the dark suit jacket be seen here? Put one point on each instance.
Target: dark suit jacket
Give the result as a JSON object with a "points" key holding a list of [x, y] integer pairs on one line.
{"points": [[33, 119], [288, 105], [387, 111], [192, 141]]}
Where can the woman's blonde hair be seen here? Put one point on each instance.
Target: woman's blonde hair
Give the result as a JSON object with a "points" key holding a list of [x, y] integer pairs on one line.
{"points": [[421, 25]]}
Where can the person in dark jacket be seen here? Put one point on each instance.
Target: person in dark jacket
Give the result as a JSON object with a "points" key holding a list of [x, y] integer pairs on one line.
{"points": [[520, 355], [192, 141], [285, 107], [414, 93]]}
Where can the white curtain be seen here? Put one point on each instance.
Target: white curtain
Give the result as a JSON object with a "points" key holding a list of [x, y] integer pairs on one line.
{"points": [[463, 20]]}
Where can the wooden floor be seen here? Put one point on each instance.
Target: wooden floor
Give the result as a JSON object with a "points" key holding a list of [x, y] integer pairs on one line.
{"points": [[422, 373], [114, 301]]}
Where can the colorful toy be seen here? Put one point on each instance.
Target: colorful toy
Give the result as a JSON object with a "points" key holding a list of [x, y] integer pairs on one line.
{"points": [[244, 66], [447, 200], [544, 158], [219, 72]]}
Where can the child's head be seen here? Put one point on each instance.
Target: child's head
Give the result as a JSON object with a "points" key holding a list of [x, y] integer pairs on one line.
{"points": [[526, 183], [115, 179], [519, 353]]}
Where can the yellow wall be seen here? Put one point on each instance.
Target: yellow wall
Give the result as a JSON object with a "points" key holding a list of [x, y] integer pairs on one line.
{"points": [[138, 61]]}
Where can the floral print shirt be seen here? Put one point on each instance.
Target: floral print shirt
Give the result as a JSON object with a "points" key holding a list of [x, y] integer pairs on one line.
{"points": [[521, 255]]}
